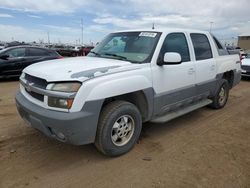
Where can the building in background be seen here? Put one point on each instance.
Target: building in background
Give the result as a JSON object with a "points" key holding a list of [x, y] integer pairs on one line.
{"points": [[244, 41]]}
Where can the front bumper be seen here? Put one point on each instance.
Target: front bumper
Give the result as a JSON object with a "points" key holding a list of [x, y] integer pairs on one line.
{"points": [[76, 128]]}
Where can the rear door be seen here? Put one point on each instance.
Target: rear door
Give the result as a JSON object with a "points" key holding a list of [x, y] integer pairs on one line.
{"points": [[205, 64], [35, 55]]}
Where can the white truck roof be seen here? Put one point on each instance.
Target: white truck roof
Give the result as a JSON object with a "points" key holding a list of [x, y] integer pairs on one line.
{"points": [[164, 30]]}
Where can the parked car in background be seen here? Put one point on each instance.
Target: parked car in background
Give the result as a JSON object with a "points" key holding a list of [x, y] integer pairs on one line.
{"points": [[14, 59], [243, 54], [2, 46], [15, 43], [235, 50], [245, 66], [87, 49], [66, 51], [76, 50]]}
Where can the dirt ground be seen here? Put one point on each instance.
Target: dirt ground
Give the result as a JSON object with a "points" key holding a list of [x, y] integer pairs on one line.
{"points": [[205, 148]]}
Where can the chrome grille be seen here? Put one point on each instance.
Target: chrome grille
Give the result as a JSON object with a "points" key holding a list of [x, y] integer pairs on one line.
{"points": [[35, 95], [37, 82]]}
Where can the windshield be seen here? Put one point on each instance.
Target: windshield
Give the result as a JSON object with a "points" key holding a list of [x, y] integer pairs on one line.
{"points": [[136, 47]]}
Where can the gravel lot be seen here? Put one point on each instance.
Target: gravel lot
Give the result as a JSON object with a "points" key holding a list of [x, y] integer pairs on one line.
{"points": [[205, 148]]}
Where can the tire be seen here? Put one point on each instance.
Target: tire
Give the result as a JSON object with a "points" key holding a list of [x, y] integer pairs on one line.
{"points": [[221, 96], [119, 128]]}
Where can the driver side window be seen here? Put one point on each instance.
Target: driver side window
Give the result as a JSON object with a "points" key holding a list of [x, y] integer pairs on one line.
{"points": [[17, 52], [176, 42]]}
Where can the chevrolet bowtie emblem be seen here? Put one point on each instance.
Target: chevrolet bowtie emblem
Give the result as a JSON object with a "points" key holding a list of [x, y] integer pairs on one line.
{"points": [[28, 86]]}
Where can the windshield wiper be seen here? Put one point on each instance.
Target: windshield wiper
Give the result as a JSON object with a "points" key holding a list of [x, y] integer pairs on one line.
{"points": [[97, 54], [115, 55]]}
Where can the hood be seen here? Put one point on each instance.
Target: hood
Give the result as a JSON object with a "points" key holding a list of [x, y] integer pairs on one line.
{"points": [[77, 68]]}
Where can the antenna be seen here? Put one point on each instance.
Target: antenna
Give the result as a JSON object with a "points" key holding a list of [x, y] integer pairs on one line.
{"points": [[153, 26]]}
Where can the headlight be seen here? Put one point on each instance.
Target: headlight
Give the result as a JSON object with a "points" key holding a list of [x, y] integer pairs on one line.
{"points": [[66, 87], [58, 102]]}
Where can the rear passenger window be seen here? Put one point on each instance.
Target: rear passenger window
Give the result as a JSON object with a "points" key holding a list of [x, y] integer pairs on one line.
{"points": [[176, 42], [219, 46], [37, 52], [202, 46]]}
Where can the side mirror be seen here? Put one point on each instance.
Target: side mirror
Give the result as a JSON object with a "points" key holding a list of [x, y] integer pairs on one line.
{"points": [[172, 58], [4, 57]]}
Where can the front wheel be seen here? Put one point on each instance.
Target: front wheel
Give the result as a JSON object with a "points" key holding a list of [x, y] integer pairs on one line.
{"points": [[221, 96], [119, 128]]}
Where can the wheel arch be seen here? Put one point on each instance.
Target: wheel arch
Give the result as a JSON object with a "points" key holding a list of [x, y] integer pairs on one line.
{"points": [[229, 76], [142, 99]]}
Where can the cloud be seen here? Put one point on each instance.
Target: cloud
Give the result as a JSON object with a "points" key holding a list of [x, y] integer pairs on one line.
{"points": [[229, 17], [26, 34], [21, 33], [195, 14], [94, 32], [145, 21], [34, 16], [61, 29], [5, 16], [57, 33], [46, 6]]}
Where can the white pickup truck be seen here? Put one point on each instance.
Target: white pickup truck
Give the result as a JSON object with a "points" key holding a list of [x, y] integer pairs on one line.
{"points": [[131, 77]]}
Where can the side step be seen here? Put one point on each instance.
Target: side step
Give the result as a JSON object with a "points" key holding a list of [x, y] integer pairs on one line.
{"points": [[171, 115]]}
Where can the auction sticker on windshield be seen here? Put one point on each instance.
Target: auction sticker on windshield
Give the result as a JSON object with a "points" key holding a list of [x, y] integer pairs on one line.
{"points": [[147, 34]]}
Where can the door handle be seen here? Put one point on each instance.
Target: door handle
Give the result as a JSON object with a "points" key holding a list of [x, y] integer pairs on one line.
{"points": [[191, 71]]}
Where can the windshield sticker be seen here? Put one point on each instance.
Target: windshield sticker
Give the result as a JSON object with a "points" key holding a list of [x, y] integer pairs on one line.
{"points": [[146, 34]]}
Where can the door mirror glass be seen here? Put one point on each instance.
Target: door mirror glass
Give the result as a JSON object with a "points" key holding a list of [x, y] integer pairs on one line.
{"points": [[172, 58]]}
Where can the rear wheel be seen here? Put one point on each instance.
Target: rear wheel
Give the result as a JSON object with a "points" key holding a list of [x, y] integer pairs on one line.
{"points": [[119, 128], [221, 97]]}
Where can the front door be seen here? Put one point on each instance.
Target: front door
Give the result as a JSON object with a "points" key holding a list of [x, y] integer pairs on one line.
{"points": [[174, 85]]}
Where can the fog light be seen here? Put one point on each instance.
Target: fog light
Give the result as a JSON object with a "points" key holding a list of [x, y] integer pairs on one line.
{"points": [[60, 135]]}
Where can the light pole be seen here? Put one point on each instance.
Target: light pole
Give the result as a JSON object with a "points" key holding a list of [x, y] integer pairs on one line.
{"points": [[82, 29], [48, 37], [211, 23]]}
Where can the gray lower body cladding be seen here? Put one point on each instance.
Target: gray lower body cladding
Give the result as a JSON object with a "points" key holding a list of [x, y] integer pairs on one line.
{"points": [[78, 128], [237, 77], [174, 100], [177, 99]]}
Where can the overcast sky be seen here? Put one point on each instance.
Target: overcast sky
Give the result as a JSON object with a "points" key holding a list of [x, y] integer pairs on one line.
{"points": [[30, 20]]}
